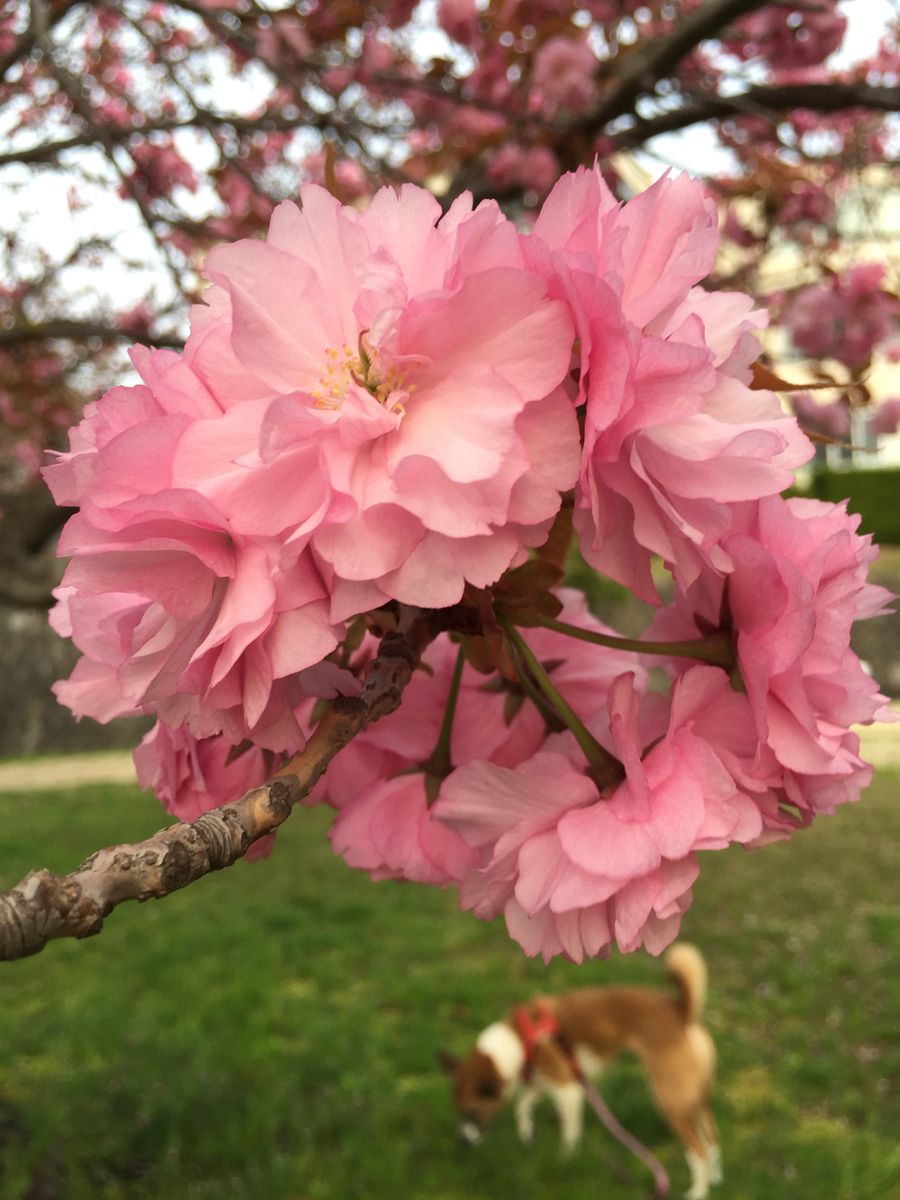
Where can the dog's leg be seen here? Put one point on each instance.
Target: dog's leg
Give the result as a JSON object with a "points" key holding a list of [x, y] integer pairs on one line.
{"points": [[696, 1150], [707, 1126], [525, 1101], [568, 1100], [715, 1164], [699, 1166]]}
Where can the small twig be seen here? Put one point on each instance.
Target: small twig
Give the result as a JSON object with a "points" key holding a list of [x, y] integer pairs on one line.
{"points": [[606, 768], [716, 649], [440, 763]]}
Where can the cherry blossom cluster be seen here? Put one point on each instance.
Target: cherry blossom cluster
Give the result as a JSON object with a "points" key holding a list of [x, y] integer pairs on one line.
{"points": [[396, 410], [789, 38], [845, 317], [849, 318]]}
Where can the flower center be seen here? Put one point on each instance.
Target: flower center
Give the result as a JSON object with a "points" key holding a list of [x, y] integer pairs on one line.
{"points": [[367, 368]]}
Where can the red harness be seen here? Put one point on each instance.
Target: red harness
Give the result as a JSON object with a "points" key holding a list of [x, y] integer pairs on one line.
{"points": [[535, 1023]]}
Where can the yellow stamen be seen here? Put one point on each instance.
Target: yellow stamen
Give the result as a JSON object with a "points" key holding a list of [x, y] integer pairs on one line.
{"points": [[365, 368]]}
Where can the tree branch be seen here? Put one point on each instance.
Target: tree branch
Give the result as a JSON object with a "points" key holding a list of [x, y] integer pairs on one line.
{"points": [[25, 44], [641, 70], [45, 906], [72, 89], [60, 328], [764, 100], [30, 519]]}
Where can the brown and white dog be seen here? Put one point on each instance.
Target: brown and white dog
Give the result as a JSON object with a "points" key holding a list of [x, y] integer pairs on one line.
{"points": [[541, 1048]]}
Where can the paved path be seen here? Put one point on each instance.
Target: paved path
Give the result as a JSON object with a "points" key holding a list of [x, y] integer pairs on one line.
{"points": [[66, 770], [880, 745]]}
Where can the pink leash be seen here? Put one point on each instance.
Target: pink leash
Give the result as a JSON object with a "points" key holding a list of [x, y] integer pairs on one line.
{"points": [[621, 1134]]}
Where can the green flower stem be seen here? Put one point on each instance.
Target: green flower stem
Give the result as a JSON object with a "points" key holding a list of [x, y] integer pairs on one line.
{"points": [[717, 649], [440, 763], [535, 695], [606, 768]]}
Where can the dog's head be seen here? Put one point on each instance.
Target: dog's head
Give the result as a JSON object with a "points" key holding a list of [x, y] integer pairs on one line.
{"points": [[478, 1091]]}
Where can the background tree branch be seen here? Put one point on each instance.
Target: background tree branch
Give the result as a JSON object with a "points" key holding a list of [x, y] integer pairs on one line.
{"points": [[764, 100], [63, 329], [658, 58], [29, 524]]}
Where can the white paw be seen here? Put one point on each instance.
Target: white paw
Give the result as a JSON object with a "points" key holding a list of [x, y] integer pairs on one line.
{"points": [[715, 1165], [526, 1131], [698, 1192], [470, 1133]]}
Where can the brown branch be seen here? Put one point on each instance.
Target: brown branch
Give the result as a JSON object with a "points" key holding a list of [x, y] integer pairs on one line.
{"points": [[45, 906], [642, 69], [29, 522], [766, 100], [25, 44], [101, 134], [74, 91], [63, 329]]}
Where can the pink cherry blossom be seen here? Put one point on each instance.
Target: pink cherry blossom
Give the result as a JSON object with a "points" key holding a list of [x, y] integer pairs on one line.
{"points": [[349, 176], [788, 35], [673, 435], [459, 18], [381, 406], [562, 80], [832, 419], [160, 169], [92, 689], [253, 493], [573, 870], [797, 583], [388, 831], [190, 776], [845, 318], [177, 604], [814, 318], [417, 365], [533, 168], [807, 208], [493, 721], [886, 417]]}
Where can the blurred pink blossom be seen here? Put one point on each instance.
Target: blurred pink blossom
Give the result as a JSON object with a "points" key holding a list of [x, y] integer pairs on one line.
{"points": [[562, 79], [846, 317], [885, 418], [459, 18], [832, 419]]}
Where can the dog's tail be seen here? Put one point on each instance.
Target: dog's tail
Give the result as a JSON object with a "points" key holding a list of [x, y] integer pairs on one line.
{"points": [[687, 967]]}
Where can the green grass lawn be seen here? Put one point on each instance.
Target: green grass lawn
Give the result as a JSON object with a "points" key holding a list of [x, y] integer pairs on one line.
{"points": [[271, 1033]]}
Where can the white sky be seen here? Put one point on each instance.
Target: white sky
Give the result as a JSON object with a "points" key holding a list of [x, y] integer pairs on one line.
{"points": [[57, 229]]}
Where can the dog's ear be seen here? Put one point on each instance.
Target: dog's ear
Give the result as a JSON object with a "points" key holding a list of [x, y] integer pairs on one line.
{"points": [[448, 1061]]}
